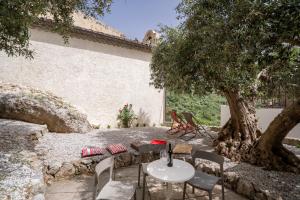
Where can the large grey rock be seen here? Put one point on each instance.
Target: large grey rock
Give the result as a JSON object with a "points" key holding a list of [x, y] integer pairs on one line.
{"points": [[246, 188], [35, 106], [67, 170], [123, 160], [37, 183], [53, 168]]}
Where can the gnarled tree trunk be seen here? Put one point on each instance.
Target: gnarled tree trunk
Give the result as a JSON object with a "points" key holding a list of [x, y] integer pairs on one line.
{"points": [[240, 132], [269, 151]]}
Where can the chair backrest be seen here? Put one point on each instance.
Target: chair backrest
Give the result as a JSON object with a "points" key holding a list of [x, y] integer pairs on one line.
{"points": [[104, 165], [175, 117], [189, 118], [156, 148], [208, 156]]}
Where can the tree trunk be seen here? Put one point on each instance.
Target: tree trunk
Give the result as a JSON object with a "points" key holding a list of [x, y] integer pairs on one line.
{"points": [[269, 151], [240, 132]]}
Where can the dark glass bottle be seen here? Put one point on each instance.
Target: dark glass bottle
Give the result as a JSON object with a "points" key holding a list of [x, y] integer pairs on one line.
{"points": [[170, 159]]}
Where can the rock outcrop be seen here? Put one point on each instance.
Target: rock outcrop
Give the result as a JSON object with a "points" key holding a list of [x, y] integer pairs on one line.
{"points": [[35, 106]]}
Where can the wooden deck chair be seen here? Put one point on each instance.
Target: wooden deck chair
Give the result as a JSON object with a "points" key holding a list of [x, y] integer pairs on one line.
{"points": [[177, 123], [192, 126]]}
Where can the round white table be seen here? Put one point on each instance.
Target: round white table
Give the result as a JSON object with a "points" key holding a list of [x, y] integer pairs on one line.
{"points": [[179, 173]]}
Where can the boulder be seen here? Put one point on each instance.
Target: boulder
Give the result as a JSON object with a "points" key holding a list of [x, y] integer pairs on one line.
{"points": [[37, 183], [53, 168], [67, 170], [39, 107], [246, 188]]}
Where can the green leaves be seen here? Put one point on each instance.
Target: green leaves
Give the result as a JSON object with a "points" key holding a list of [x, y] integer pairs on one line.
{"points": [[16, 17], [126, 115], [224, 45], [206, 109]]}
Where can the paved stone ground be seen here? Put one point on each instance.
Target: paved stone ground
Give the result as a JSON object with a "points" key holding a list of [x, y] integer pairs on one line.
{"points": [[82, 188]]}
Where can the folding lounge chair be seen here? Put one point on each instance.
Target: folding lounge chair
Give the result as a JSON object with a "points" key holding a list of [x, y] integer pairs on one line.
{"points": [[192, 127], [177, 123]]}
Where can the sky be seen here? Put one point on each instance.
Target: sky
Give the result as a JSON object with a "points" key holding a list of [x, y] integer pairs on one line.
{"points": [[135, 17]]}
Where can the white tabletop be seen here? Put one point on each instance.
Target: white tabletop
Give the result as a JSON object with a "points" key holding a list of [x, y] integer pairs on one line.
{"points": [[179, 173]]}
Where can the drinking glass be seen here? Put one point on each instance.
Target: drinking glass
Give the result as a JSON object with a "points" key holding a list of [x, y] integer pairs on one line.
{"points": [[163, 155]]}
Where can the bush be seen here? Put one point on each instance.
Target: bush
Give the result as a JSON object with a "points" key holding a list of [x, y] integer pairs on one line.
{"points": [[205, 108], [126, 116]]}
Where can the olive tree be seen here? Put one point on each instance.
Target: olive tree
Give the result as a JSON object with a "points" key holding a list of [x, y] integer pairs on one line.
{"points": [[232, 48], [18, 15]]}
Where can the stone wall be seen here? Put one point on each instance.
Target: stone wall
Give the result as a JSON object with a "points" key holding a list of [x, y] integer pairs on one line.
{"points": [[97, 78], [264, 117], [57, 171]]}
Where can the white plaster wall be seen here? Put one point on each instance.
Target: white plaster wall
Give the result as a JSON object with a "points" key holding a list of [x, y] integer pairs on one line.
{"points": [[264, 117], [97, 78]]}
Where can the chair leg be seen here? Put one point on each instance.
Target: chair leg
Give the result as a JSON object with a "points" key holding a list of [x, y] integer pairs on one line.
{"points": [[144, 186], [184, 189], [139, 175], [134, 197], [193, 190], [223, 193], [149, 192], [210, 195]]}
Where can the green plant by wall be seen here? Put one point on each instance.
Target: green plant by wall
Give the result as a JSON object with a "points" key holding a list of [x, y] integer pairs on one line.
{"points": [[126, 116]]}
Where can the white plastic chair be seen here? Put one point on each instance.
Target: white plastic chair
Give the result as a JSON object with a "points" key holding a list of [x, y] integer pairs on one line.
{"points": [[112, 190]]}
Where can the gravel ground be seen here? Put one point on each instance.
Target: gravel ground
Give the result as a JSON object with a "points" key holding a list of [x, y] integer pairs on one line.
{"points": [[16, 158], [67, 147], [286, 185]]}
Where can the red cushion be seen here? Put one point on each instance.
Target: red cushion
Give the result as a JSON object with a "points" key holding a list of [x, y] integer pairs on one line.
{"points": [[116, 148], [91, 151], [158, 141]]}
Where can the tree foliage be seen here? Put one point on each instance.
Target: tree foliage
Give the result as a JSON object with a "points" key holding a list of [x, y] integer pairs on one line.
{"points": [[241, 49], [18, 15], [226, 45]]}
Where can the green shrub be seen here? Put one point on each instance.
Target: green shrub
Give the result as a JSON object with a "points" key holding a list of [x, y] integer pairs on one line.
{"points": [[205, 108], [126, 116]]}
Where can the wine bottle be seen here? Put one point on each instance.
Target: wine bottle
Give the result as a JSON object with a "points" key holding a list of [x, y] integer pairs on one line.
{"points": [[170, 159]]}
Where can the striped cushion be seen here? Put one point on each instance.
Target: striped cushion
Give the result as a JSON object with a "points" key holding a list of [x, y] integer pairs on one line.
{"points": [[91, 151], [116, 148]]}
